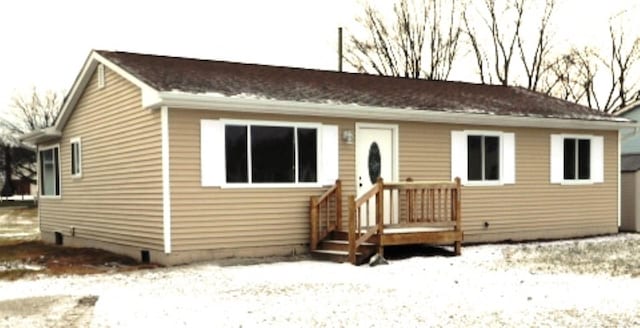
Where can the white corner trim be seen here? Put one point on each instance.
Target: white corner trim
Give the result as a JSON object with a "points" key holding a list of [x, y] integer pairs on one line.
{"points": [[166, 188], [149, 96], [619, 176]]}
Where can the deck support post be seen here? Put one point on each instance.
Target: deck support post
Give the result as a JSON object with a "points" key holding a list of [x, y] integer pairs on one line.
{"points": [[313, 245], [352, 229], [338, 204], [380, 215], [458, 198]]}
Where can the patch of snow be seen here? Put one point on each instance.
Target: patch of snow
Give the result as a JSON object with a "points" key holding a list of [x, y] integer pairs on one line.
{"points": [[12, 266], [478, 288]]}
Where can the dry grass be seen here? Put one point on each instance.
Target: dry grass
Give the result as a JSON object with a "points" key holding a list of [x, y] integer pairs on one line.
{"points": [[615, 257], [59, 260]]}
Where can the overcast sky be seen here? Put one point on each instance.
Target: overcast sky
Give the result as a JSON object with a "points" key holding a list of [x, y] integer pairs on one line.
{"points": [[44, 43]]}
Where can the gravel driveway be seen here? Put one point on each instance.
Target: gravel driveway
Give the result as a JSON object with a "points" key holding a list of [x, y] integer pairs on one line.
{"points": [[490, 285]]}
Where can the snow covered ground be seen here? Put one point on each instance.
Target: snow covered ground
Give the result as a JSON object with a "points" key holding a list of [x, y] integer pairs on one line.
{"points": [[489, 285], [19, 223]]}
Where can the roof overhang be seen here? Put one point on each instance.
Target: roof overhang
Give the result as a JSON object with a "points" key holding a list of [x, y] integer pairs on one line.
{"points": [[41, 136], [177, 100]]}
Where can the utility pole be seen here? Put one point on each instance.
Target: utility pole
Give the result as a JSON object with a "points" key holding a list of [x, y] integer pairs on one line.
{"points": [[339, 49]]}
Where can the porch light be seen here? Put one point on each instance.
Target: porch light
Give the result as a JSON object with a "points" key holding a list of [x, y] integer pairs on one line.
{"points": [[347, 136]]}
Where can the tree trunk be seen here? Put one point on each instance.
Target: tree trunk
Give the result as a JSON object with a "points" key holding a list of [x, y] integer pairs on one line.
{"points": [[8, 189]]}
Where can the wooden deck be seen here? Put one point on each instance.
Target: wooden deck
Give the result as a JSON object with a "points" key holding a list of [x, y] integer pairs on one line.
{"points": [[417, 213]]}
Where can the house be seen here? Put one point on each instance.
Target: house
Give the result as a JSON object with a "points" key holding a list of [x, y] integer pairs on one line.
{"points": [[630, 170], [176, 159], [17, 163]]}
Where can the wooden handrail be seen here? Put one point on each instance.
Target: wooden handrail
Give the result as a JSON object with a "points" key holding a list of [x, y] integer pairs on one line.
{"points": [[356, 236], [328, 193], [368, 195], [319, 205]]}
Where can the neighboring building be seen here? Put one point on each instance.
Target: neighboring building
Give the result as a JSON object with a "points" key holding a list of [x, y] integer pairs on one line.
{"points": [[187, 159], [23, 187], [630, 170]]}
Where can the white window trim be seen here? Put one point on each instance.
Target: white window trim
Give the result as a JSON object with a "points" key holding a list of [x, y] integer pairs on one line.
{"points": [[40, 189], [286, 124], [77, 140], [578, 182], [501, 179]]}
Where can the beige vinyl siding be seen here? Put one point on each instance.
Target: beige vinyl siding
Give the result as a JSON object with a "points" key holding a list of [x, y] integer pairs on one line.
{"points": [[213, 218], [118, 199], [532, 208]]}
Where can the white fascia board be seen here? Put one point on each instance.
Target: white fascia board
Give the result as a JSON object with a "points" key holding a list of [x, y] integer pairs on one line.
{"points": [[149, 94], [175, 99], [39, 136]]}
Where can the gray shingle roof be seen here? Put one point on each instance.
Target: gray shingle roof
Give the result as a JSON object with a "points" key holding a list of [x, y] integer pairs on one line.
{"points": [[630, 163], [317, 86]]}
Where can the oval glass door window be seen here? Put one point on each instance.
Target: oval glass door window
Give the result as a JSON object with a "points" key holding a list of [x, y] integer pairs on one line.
{"points": [[374, 162]]}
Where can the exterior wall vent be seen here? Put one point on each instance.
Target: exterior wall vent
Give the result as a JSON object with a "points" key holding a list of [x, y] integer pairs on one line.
{"points": [[101, 78], [59, 238], [145, 257]]}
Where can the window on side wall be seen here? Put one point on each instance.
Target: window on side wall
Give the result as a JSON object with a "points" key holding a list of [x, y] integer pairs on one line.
{"points": [[483, 157], [576, 159], [76, 158], [49, 171]]}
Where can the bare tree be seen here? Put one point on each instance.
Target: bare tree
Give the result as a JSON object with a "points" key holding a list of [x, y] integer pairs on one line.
{"points": [[571, 75], [495, 59], [30, 113], [536, 62], [599, 79], [622, 61], [419, 41], [26, 114], [503, 23]]}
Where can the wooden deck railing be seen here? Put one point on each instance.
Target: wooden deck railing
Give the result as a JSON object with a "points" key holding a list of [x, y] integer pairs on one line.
{"points": [[325, 214], [431, 204]]}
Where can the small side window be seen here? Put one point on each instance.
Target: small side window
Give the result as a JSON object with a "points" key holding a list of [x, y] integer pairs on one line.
{"points": [[76, 158], [576, 159], [483, 158], [49, 172]]}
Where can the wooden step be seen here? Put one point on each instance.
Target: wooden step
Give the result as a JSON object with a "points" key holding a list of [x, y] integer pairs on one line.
{"points": [[341, 256], [344, 235], [340, 245], [345, 242], [331, 252], [334, 256]]}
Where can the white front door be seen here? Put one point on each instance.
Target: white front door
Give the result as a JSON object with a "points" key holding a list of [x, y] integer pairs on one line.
{"points": [[375, 151]]}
